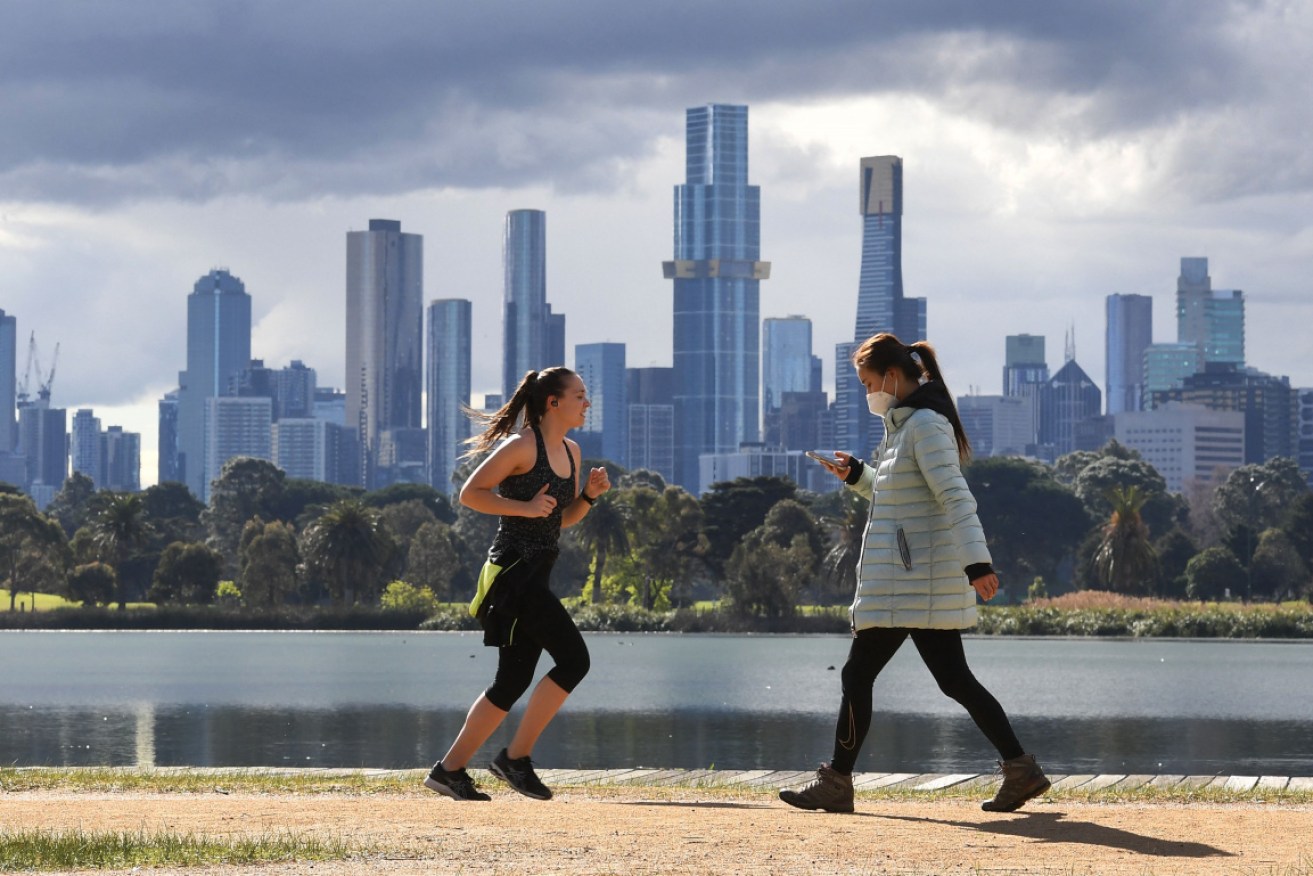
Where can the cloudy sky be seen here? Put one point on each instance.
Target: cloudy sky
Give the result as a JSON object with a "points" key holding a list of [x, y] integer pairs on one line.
{"points": [[1054, 152]]}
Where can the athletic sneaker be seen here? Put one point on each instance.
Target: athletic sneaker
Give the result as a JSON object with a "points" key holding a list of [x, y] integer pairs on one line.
{"points": [[455, 784], [519, 774]]}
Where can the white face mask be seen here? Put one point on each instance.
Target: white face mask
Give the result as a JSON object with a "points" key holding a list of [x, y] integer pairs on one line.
{"points": [[880, 402]]}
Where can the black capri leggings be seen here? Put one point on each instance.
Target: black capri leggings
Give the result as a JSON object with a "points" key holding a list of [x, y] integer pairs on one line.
{"points": [[943, 655], [542, 624]]}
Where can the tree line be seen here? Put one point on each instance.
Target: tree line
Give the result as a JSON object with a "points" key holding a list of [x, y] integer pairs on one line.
{"points": [[759, 547]]}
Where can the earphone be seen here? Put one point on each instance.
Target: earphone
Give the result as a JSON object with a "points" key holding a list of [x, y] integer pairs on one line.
{"points": [[553, 402]]}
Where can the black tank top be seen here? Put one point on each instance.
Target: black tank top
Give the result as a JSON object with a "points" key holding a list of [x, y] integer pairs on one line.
{"points": [[527, 536]]}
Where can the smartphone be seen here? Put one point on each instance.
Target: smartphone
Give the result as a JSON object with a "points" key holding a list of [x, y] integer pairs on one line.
{"points": [[827, 457]]}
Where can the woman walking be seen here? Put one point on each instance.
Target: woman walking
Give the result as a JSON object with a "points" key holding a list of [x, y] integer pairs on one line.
{"points": [[923, 561], [531, 481]]}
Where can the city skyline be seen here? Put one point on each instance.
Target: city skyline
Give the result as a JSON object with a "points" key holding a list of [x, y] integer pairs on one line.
{"points": [[1038, 188]]}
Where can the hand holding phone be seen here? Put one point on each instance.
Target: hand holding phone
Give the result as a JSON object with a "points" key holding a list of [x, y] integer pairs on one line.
{"points": [[835, 460]]}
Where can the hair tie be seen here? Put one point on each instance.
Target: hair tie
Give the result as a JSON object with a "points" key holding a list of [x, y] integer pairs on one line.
{"points": [[916, 357]]}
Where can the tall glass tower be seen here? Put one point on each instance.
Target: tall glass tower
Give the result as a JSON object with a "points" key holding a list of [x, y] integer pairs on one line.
{"points": [[384, 335], [881, 306], [449, 352], [717, 271], [526, 332], [1130, 332], [218, 348]]}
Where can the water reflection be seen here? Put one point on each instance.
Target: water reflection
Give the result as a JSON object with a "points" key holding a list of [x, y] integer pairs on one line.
{"points": [[405, 737]]}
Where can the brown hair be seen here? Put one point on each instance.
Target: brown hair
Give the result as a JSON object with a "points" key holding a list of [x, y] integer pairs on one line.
{"points": [[913, 361], [529, 402]]}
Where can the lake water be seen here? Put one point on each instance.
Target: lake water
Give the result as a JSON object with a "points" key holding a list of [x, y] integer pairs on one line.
{"points": [[735, 702]]}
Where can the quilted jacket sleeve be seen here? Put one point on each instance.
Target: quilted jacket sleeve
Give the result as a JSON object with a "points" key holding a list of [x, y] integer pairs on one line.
{"points": [[936, 456]]}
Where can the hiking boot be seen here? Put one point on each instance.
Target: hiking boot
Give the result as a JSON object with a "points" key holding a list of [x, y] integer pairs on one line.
{"points": [[830, 790], [455, 784], [519, 774], [1022, 780]]}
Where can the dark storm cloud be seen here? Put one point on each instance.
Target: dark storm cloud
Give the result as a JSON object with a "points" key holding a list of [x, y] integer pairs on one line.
{"points": [[105, 102]]}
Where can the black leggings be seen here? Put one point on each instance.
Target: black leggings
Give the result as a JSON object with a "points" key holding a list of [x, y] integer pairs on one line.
{"points": [[943, 655], [542, 624]]}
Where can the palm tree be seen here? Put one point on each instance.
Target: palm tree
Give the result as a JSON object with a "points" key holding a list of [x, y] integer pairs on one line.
{"points": [[849, 529], [602, 532], [118, 528], [350, 549], [1125, 560]]}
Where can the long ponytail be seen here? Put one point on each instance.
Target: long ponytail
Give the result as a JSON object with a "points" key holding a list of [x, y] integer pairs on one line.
{"points": [[526, 406], [917, 362]]}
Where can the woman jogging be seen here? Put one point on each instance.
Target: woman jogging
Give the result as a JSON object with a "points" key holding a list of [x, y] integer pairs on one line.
{"points": [[530, 480], [923, 544]]}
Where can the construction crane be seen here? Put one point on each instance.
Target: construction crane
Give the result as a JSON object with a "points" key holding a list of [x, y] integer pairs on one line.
{"points": [[34, 364]]}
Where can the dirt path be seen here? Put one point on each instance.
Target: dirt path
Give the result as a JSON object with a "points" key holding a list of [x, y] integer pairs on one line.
{"points": [[644, 831]]}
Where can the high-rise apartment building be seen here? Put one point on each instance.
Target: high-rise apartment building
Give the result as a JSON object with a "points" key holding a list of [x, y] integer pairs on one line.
{"points": [[294, 391], [1213, 320], [8, 382], [309, 448], [235, 426], [1129, 334], [533, 338], [717, 273], [605, 433], [84, 445], [43, 439], [218, 348], [1306, 433], [651, 423], [384, 336], [450, 343]]}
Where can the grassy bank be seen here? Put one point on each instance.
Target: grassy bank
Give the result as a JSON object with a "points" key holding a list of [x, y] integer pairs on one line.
{"points": [[116, 850], [1087, 613]]}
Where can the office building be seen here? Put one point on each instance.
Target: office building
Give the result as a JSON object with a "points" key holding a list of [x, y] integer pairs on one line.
{"points": [[403, 455], [787, 365], [997, 425], [294, 391], [8, 382], [605, 431], [1129, 334], [330, 405], [1024, 365], [1167, 365], [120, 460], [555, 338], [43, 440], [651, 420], [235, 426], [218, 349], [448, 384], [1270, 405], [1213, 320], [755, 460], [384, 336], [1185, 443], [1068, 399], [717, 272], [803, 422], [310, 448]]}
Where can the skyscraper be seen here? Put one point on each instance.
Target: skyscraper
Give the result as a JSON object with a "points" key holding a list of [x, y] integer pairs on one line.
{"points": [[786, 346], [531, 333], [449, 355], [8, 382], [167, 468], [218, 348], [717, 271], [235, 426], [881, 306], [605, 432], [1213, 320], [120, 460], [651, 423], [1129, 334], [384, 335]]}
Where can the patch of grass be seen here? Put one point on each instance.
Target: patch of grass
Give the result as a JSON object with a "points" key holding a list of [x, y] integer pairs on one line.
{"points": [[44, 601], [206, 781], [79, 849]]}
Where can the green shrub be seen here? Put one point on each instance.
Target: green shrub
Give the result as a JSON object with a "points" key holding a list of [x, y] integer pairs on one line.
{"points": [[403, 596]]}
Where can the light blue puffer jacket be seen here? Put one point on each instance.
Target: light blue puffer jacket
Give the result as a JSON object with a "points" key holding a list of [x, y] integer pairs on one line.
{"points": [[915, 484]]}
